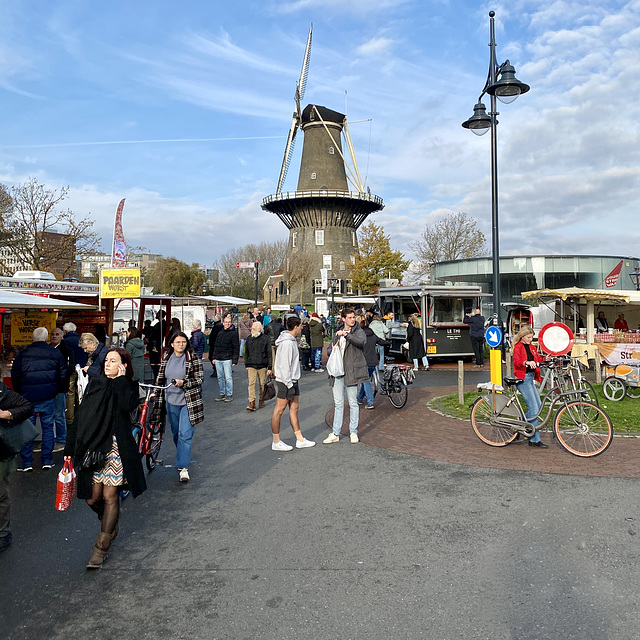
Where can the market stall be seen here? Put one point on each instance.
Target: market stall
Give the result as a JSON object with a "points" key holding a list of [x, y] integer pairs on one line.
{"points": [[579, 307], [21, 313]]}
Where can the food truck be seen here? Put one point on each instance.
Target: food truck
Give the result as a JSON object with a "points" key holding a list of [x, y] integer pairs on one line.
{"points": [[441, 309]]}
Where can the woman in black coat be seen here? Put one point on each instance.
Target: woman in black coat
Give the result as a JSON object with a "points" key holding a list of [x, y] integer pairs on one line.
{"points": [[416, 346], [104, 452]]}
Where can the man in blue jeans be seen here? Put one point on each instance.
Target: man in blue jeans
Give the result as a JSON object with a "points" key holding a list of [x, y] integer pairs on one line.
{"points": [[38, 374], [60, 418]]}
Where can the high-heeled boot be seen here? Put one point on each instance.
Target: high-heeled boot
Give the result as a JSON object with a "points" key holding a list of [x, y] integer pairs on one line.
{"points": [[99, 555]]}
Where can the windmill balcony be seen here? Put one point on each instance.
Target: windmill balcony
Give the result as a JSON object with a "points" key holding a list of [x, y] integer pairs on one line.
{"points": [[310, 208]]}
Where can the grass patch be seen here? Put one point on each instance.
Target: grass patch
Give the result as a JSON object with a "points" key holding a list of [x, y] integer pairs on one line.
{"points": [[624, 415]]}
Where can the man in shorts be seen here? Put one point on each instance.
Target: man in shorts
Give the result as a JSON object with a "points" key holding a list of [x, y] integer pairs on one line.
{"points": [[287, 373]]}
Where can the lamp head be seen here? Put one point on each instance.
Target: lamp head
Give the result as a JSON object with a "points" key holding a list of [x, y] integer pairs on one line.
{"points": [[508, 87], [480, 122]]}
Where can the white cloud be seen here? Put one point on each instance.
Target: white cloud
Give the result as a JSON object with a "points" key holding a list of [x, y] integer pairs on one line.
{"points": [[375, 47]]}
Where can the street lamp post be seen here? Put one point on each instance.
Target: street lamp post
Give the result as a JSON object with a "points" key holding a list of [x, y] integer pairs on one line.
{"points": [[333, 283], [506, 89], [270, 287]]}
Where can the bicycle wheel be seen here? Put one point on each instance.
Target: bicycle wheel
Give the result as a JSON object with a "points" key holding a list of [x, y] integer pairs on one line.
{"points": [[633, 392], [583, 429], [591, 392], [614, 389], [495, 436], [375, 382], [398, 393], [155, 439]]}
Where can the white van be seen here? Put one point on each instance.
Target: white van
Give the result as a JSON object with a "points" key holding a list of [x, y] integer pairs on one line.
{"points": [[34, 275]]}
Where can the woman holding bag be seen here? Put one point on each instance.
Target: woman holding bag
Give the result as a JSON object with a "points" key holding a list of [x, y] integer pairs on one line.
{"points": [[101, 444]]}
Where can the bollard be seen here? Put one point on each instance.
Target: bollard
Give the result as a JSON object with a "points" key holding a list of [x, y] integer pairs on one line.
{"points": [[598, 366], [460, 382]]}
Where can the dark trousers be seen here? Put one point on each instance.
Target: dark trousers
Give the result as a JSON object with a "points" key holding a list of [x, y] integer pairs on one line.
{"points": [[5, 532], [478, 349]]}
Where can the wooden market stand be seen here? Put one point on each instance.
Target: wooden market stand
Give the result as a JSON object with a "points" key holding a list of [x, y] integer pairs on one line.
{"points": [[574, 305]]}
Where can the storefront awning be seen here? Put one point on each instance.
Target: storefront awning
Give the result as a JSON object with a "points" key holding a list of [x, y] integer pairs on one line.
{"points": [[11, 300], [597, 295]]}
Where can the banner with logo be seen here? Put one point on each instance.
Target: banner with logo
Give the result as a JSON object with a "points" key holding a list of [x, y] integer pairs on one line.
{"points": [[612, 279], [120, 283], [119, 251], [23, 325]]}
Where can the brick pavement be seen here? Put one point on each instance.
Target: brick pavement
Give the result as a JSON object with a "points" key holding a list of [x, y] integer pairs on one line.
{"points": [[416, 430]]}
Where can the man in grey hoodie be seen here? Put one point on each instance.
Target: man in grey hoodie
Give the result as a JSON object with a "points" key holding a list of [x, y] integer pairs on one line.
{"points": [[287, 373]]}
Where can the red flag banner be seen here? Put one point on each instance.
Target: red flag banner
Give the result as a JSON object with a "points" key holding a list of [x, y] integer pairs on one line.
{"points": [[119, 252], [612, 279]]}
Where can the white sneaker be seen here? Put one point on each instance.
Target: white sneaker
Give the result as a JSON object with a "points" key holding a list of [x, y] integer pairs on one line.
{"points": [[304, 443], [354, 438], [184, 475], [280, 446], [332, 437]]}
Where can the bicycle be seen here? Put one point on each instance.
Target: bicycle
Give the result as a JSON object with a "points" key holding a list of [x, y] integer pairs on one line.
{"points": [[565, 374], [149, 436], [394, 382], [581, 427]]}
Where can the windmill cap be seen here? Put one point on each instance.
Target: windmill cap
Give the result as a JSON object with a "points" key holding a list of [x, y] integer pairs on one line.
{"points": [[326, 114]]}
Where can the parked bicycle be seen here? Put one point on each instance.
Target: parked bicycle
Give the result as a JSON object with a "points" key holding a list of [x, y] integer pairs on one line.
{"points": [[148, 435], [393, 383], [581, 427], [563, 373]]}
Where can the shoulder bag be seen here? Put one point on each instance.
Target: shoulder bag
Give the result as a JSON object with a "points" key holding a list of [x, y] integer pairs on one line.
{"points": [[17, 435], [335, 363]]}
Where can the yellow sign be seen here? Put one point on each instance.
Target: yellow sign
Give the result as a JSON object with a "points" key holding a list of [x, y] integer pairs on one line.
{"points": [[23, 324], [495, 365], [120, 283]]}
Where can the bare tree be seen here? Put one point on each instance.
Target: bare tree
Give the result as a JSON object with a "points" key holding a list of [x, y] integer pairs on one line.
{"points": [[43, 236], [301, 269], [453, 237], [240, 282]]}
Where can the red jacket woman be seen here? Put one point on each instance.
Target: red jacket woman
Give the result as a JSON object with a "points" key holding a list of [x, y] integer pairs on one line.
{"points": [[520, 356]]}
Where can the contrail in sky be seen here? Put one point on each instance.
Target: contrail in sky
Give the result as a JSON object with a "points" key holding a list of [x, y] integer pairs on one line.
{"points": [[109, 142]]}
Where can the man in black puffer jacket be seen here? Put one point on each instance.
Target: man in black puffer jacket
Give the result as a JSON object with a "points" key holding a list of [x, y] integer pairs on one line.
{"points": [[257, 359], [225, 355], [39, 374]]}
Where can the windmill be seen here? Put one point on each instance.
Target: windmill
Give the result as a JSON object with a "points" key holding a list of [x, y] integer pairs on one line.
{"points": [[322, 214]]}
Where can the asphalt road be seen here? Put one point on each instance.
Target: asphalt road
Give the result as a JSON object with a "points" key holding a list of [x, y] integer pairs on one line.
{"points": [[339, 541]]}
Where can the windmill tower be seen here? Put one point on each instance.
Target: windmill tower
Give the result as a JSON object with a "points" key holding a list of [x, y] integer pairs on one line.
{"points": [[322, 214]]}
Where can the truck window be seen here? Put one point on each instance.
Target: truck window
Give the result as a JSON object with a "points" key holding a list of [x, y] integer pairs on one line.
{"points": [[447, 310]]}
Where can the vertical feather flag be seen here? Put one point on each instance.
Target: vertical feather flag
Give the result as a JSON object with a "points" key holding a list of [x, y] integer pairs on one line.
{"points": [[612, 279], [119, 252]]}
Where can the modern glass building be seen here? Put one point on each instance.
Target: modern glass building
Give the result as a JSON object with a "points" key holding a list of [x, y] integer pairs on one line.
{"points": [[526, 273]]}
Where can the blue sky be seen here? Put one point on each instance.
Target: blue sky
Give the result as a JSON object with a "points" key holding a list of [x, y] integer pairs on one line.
{"points": [[85, 87]]}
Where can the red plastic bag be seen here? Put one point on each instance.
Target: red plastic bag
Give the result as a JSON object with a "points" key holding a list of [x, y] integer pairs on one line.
{"points": [[66, 486]]}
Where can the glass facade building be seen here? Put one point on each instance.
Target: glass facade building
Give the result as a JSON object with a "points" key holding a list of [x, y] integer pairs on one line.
{"points": [[527, 273]]}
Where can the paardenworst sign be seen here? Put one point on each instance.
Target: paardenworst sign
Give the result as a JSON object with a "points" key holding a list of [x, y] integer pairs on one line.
{"points": [[23, 325], [120, 283]]}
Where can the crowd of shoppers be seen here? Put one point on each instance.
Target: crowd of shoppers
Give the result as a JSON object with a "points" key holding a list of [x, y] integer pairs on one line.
{"points": [[95, 427]]}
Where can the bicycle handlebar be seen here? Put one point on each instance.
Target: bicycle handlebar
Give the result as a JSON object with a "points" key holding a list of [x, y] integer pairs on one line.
{"points": [[155, 386]]}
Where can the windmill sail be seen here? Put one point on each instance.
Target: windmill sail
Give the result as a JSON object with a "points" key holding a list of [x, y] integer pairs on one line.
{"points": [[300, 89]]}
